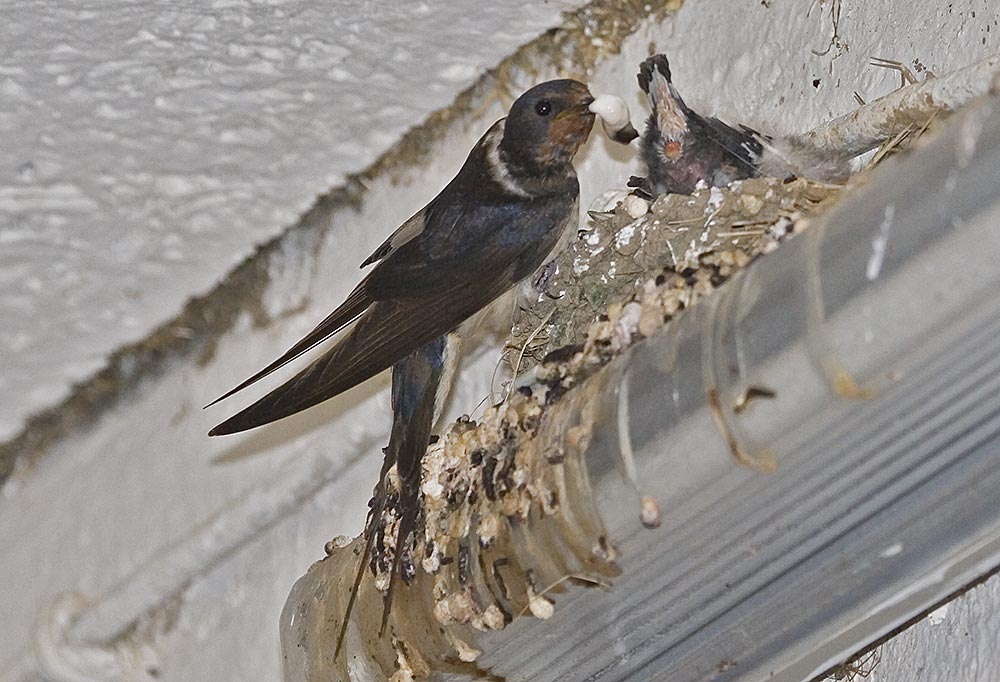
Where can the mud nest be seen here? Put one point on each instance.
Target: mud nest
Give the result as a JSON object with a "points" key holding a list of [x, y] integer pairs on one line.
{"points": [[508, 516]]}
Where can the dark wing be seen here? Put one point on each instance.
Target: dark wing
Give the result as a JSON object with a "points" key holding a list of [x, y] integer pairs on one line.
{"points": [[742, 146], [471, 243], [388, 331], [349, 310], [403, 234]]}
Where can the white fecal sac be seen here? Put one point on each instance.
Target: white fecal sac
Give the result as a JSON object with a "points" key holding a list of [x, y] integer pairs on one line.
{"points": [[635, 206], [614, 116], [612, 111]]}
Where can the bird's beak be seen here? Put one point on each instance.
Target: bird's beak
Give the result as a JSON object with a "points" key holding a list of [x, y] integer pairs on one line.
{"points": [[580, 109]]}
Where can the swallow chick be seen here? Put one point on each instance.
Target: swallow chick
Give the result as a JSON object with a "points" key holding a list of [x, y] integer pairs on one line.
{"points": [[682, 148], [490, 228]]}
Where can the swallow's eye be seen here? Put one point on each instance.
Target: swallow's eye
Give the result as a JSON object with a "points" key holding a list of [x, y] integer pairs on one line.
{"points": [[543, 107]]}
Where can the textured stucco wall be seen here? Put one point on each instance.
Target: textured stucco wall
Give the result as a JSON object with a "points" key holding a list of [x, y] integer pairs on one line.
{"points": [[108, 502], [956, 643], [148, 147]]}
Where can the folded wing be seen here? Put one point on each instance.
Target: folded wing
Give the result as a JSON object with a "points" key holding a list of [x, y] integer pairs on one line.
{"points": [[349, 310], [384, 334]]}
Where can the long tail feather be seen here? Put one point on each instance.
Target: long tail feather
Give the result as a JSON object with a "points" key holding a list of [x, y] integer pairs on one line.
{"points": [[370, 528], [407, 522], [348, 311]]}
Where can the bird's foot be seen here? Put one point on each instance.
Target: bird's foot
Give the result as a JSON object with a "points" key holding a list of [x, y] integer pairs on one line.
{"points": [[543, 278], [641, 187]]}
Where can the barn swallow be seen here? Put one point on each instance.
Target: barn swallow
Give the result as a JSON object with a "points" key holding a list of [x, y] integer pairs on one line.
{"points": [[490, 228], [682, 148]]}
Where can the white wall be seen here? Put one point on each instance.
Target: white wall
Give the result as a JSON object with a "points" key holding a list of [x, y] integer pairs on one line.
{"points": [[955, 643], [149, 147], [104, 507]]}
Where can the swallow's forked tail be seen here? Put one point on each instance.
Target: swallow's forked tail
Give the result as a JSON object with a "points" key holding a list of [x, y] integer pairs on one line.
{"points": [[371, 526], [416, 380]]}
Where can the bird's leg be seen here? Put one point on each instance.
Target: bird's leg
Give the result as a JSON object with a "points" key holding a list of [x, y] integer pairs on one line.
{"points": [[416, 385], [416, 380], [531, 291], [641, 187], [544, 277]]}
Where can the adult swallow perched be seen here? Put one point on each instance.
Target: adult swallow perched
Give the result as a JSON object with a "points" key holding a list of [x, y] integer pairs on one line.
{"points": [[490, 228], [682, 148]]}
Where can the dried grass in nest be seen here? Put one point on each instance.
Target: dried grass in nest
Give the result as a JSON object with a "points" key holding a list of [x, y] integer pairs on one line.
{"points": [[720, 228]]}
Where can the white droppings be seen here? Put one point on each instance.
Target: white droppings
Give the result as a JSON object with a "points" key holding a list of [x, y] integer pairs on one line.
{"points": [[606, 201], [624, 236], [649, 514], [341, 541], [432, 488], [879, 244], [628, 322], [580, 266], [781, 227], [466, 652], [432, 563], [891, 550], [715, 199], [539, 606], [614, 116], [635, 206], [938, 615]]}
